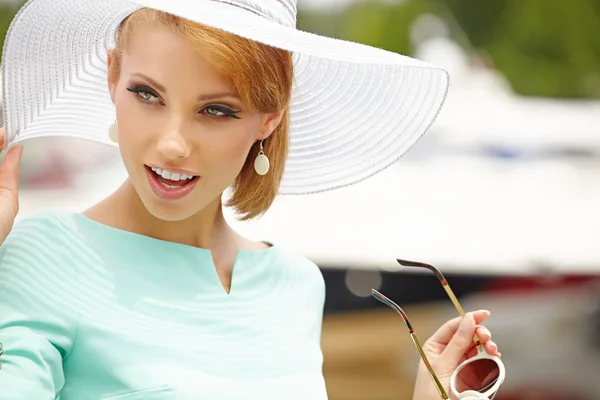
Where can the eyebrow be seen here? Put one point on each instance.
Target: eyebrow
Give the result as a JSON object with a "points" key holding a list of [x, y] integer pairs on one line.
{"points": [[151, 81], [203, 97]]}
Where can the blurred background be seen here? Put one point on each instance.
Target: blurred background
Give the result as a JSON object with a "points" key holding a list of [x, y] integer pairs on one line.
{"points": [[502, 195]]}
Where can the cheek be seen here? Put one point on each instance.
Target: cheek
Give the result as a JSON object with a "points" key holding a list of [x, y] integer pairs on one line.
{"points": [[133, 138], [228, 154], [134, 124]]}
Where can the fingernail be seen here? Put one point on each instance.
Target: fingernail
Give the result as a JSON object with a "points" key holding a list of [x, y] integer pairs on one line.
{"points": [[466, 323]]}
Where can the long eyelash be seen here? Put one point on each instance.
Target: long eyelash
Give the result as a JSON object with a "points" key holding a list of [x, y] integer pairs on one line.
{"points": [[142, 89], [224, 109]]}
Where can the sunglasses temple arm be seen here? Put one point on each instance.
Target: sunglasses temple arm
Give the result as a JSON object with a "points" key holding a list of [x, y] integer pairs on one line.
{"points": [[436, 381], [385, 300], [461, 312], [446, 286]]}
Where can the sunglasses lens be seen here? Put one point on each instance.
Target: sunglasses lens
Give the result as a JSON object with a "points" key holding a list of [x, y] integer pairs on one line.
{"points": [[479, 375]]}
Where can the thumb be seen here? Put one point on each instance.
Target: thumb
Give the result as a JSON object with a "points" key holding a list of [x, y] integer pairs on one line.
{"points": [[461, 342], [9, 169]]}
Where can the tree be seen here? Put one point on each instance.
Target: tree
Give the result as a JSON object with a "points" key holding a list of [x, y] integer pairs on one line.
{"points": [[544, 47]]}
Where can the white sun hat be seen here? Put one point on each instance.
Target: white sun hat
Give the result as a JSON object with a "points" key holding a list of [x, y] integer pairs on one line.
{"points": [[355, 109]]}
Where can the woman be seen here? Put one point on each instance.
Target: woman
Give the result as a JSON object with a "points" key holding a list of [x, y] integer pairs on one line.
{"points": [[150, 294]]}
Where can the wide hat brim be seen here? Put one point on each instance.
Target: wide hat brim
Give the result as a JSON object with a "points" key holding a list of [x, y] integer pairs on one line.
{"points": [[355, 109]]}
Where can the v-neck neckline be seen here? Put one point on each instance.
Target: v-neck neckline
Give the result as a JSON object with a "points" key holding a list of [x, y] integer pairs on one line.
{"points": [[130, 239]]}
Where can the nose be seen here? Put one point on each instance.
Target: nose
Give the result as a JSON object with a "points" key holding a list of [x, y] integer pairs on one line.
{"points": [[173, 145]]}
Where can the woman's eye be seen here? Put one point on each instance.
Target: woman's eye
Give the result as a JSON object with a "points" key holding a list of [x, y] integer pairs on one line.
{"points": [[144, 93], [146, 96], [215, 112], [220, 111]]}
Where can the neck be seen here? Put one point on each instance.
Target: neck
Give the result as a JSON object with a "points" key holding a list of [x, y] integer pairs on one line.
{"points": [[206, 229]]}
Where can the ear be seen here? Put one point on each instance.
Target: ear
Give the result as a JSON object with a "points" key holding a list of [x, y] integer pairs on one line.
{"points": [[112, 75], [269, 122]]}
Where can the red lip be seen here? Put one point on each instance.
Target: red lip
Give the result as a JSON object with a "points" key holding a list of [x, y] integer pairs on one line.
{"points": [[169, 193]]}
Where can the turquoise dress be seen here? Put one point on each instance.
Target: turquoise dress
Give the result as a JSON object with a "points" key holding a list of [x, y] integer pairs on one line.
{"points": [[92, 312]]}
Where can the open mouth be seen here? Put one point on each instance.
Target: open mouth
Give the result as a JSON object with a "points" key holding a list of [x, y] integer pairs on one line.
{"points": [[171, 180], [169, 184]]}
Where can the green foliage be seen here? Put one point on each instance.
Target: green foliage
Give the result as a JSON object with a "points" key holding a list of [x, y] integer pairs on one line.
{"points": [[385, 25], [545, 48], [7, 13]]}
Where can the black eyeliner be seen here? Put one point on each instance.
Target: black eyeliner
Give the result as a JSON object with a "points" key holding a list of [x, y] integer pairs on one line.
{"points": [[230, 112], [142, 89]]}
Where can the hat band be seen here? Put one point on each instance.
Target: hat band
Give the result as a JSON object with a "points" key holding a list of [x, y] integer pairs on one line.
{"points": [[281, 11]]}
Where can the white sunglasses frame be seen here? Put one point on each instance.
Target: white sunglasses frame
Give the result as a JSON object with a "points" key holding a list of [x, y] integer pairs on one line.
{"points": [[473, 394]]}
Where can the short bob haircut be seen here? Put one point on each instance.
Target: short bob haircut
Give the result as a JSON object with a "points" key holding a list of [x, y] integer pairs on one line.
{"points": [[261, 75]]}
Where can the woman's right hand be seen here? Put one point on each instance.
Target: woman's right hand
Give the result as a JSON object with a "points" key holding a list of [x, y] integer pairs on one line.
{"points": [[9, 187], [448, 347]]}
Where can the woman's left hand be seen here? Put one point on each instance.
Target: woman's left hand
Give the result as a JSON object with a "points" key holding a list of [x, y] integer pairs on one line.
{"points": [[447, 348]]}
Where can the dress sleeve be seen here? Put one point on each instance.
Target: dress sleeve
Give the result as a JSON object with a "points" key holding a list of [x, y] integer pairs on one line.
{"points": [[38, 320]]}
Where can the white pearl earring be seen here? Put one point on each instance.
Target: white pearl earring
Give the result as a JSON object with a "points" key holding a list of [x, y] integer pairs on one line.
{"points": [[261, 163], [113, 132]]}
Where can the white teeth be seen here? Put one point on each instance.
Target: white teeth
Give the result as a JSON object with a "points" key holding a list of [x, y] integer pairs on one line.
{"points": [[173, 176]]}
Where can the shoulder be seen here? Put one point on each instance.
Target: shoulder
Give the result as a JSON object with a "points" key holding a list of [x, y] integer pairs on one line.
{"points": [[301, 270], [41, 238], [44, 222], [297, 262]]}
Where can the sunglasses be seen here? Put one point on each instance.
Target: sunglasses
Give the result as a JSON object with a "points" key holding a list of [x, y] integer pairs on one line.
{"points": [[488, 370]]}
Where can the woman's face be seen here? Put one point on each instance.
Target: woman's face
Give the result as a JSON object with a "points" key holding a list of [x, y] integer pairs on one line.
{"points": [[180, 119]]}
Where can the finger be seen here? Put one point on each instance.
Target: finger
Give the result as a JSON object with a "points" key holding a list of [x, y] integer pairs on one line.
{"points": [[483, 334], [480, 316], [461, 341], [9, 169], [1, 138], [446, 331], [491, 348], [472, 352]]}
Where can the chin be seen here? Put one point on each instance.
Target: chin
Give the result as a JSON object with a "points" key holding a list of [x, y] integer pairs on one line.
{"points": [[169, 212], [175, 210]]}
